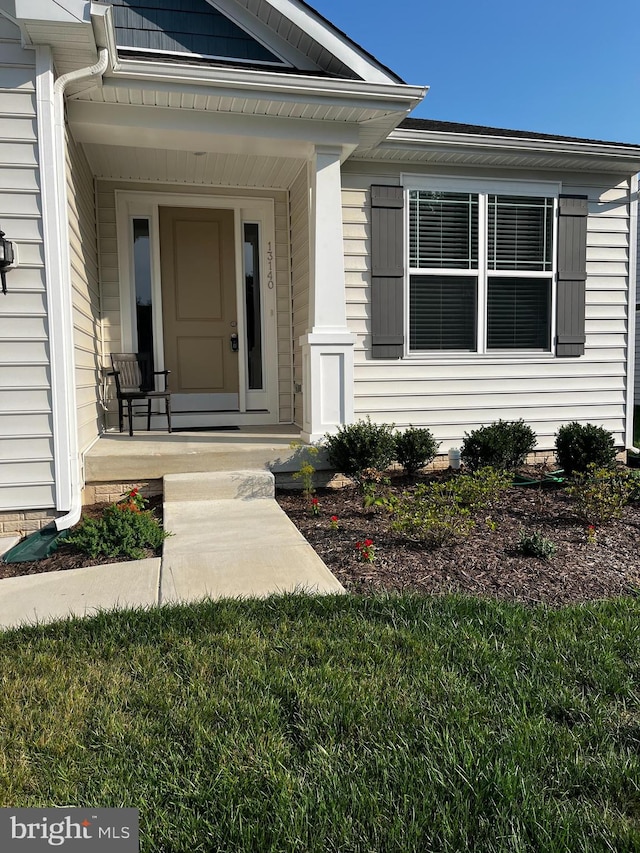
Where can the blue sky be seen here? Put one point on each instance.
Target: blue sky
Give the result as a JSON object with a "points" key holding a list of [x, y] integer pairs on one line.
{"points": [[570, 67]]}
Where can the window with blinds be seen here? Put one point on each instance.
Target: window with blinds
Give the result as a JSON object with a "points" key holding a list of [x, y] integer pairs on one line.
{"points": [[443, 229], [453, 271]]}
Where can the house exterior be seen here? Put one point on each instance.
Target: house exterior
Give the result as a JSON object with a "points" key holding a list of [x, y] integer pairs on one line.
{"points": [[237, 187]]}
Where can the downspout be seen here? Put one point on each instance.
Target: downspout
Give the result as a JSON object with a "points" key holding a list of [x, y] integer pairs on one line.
{"points": [[63, 348]]}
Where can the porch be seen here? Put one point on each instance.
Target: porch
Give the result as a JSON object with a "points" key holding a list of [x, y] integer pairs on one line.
{"points": [[147, 456]]}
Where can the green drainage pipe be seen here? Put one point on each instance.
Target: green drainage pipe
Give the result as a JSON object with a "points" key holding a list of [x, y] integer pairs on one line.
{"points": [[36, 546], [552, 478]]}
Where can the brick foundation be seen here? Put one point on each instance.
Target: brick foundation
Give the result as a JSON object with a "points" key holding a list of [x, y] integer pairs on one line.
{"points": [[95, 493], [22, 522]]}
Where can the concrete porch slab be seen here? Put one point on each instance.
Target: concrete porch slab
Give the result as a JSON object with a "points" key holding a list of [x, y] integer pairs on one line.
{"points": [[119, 457]]}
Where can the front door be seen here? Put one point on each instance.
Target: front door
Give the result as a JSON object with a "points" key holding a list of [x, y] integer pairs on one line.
{"points": [[199, 307]]}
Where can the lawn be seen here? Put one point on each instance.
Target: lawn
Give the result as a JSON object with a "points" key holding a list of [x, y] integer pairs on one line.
{"points": [[347, 723]]}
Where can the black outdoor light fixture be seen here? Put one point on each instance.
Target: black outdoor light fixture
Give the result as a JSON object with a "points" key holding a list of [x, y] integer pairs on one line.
{"points": [[6, 259]]}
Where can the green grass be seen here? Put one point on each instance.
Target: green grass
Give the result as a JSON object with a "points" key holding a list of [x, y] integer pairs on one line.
{"points": [[335, 724]]}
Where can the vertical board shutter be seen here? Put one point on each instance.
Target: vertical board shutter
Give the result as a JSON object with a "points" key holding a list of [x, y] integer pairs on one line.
{"points": [[572, 274], [387, 271]]}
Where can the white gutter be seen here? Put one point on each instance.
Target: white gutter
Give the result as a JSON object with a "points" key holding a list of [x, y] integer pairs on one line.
{"points": [[266, 82], [52, 143], [407, 139]]}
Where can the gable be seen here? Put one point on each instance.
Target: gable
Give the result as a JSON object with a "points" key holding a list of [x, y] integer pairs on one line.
{"points": [[192, 27]]}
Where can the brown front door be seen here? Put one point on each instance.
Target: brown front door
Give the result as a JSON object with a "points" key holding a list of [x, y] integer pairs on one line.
{"points": [[197, 253]]}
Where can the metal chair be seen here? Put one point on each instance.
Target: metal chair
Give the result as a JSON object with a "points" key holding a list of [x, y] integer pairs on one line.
{"points": [[134, 379]]}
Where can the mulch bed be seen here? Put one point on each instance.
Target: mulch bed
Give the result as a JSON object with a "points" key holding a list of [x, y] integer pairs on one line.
{"points": [[486, 563], [66, 557]]}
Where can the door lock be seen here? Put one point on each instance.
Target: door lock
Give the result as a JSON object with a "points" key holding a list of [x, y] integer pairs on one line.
{"points": [[234, 342]]}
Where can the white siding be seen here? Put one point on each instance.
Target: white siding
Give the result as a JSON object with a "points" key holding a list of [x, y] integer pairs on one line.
{"points": [[299, 201], [108, 263], [26, 445], [85, 292], [453, 396], [636, 397]]}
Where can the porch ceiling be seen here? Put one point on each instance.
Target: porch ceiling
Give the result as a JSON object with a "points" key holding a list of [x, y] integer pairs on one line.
{"points": [[119, 162]]}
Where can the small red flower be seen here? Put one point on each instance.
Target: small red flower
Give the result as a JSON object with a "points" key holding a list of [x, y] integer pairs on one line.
{"points": [[334, 518]]}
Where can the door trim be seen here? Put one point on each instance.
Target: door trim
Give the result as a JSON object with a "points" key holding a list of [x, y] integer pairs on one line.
{"points": [[253, 406]]}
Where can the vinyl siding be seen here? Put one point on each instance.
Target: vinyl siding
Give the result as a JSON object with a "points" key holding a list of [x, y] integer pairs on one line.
{"points": [[26, 428], [299, 200], [87, 328], [636, 397], [108, 262], [454, 396]]}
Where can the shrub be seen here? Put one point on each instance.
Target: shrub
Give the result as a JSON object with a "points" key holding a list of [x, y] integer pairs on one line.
{"points": [[601, 494], [502, 444], [536, 545], [120, 532], [435, 513], [415, 448], [306, 473], [356, 447], [581, 445]]}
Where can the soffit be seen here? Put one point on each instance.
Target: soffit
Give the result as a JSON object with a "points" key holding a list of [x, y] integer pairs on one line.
{"points": [[118, 162]]}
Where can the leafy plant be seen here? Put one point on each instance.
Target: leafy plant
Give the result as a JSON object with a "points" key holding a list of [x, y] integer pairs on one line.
{"points": [[307, 469], [123, 530], [502, 444], [415, 448], [536, 545], [361, 445], [581, 445], [600, 494], [434, 513], [375, 489]]}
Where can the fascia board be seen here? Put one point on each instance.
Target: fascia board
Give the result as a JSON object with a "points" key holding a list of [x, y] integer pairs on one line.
{"points": [[403, 139], [339, 46], [405, 96]]}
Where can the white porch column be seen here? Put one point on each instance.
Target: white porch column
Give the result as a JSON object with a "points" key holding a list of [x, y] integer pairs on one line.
{"points": [[327, 349]]}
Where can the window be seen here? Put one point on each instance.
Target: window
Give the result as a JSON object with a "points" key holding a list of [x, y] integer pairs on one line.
{"points": [[481, 269]]}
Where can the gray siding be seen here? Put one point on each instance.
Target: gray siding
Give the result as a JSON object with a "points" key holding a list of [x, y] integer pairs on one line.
{"points": [[26, 445], [184, 26], [452, 396], [87, 328], [299, 201]]}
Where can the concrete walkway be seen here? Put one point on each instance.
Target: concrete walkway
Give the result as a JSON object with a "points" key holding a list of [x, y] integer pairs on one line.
{"points": [[229, 538]]}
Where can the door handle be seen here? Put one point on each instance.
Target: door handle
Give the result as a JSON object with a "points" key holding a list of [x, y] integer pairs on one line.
{"points": [[234, 342]]}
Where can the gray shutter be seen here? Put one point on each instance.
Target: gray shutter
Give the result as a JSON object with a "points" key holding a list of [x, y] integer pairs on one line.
{"points": [[387, 271], [572, 274]]}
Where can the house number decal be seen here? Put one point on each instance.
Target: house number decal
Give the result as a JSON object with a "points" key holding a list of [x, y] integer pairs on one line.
{"points": [[269, 265]]}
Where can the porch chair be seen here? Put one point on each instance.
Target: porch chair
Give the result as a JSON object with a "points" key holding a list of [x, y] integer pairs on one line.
{"points": [[135, 381]]}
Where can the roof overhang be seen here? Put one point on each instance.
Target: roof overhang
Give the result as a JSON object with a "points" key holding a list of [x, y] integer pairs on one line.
{"points": [[474, 149], [244, 102]]}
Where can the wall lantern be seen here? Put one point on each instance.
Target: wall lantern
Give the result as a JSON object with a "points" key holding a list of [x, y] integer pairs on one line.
{"points": [[6, 259]]}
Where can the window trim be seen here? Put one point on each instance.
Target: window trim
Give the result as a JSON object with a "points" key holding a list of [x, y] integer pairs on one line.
{"points": [[483, 188]]}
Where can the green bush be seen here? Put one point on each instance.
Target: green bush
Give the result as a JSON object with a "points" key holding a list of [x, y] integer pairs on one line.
{"points": [[581, 445], [356, 447], [601, 494], [438, 512], [502, 444], [415, 448], [120, 532], [536, 545]]}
